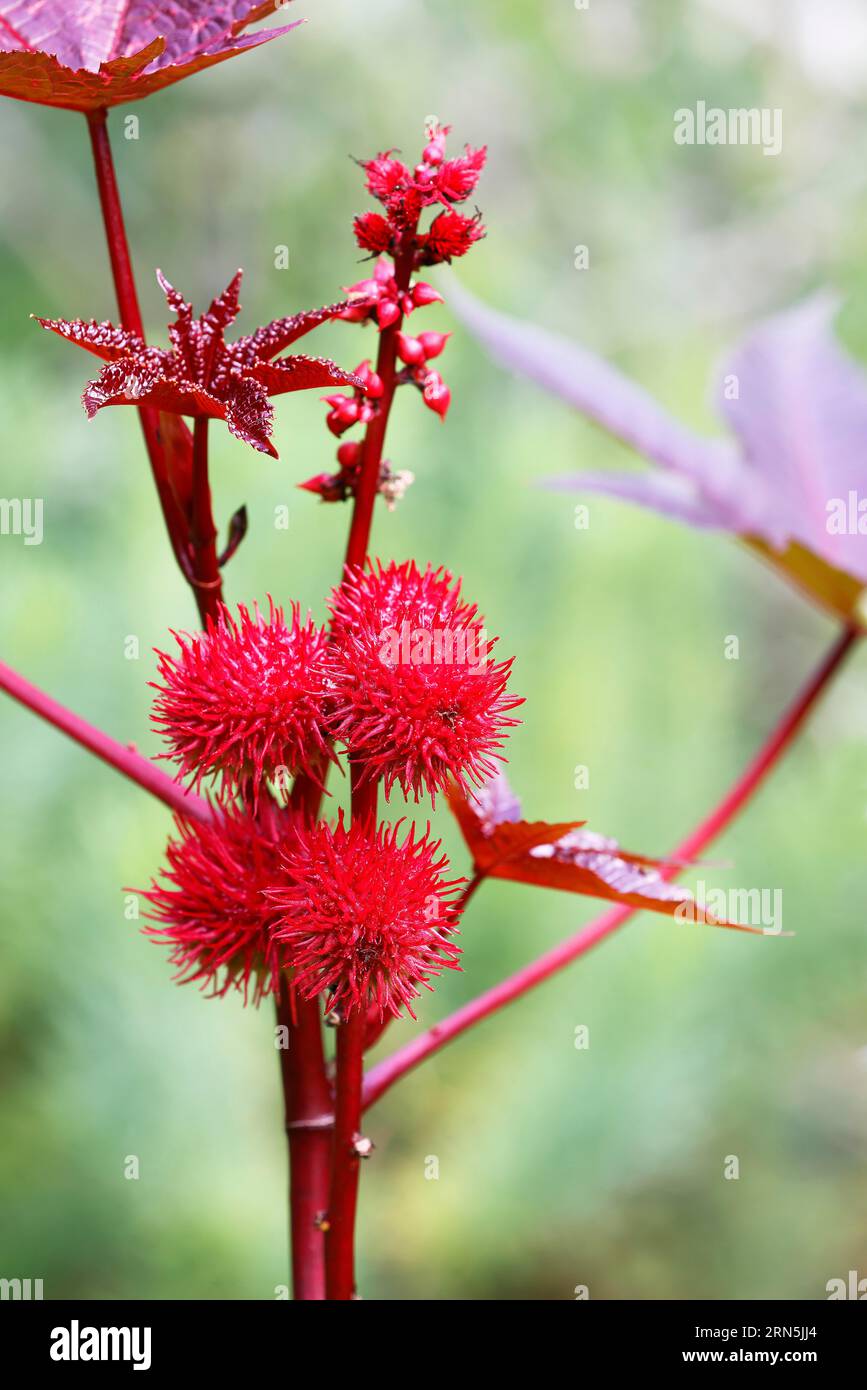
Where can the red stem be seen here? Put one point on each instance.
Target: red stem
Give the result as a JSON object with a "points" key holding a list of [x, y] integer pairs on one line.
{"points": [[382, 1077], [130, 317], [307, 1104], [374, 438], [122, 757], [307, 796], [340, 1238], [203, 533]]}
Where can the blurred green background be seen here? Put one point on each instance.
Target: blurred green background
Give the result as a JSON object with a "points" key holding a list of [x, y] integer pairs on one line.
{"points": [[557, 1167]]}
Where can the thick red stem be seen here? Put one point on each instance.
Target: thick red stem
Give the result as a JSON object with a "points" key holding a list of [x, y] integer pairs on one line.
{"points": [[203, 533], [382, 1077], [307, 1105], [130, 317], [346, 1158], [340, 1237], [123, 757]]}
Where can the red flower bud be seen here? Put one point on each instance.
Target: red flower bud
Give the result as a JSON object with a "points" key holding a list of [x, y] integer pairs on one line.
{"points": [[410, 350], [347, 454], [436, 394], [348, 409], [373, 387], [329, 486], [387, 312], [432, 343], [425, 294], [338, 423], [356, 313]]}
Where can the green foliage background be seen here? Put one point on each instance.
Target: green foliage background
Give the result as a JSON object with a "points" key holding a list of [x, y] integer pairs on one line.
{"points": [[557, 1167]]}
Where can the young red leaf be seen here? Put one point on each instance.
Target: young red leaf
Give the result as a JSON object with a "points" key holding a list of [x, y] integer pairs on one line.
{"points": [[563, 856], [202, 375]]}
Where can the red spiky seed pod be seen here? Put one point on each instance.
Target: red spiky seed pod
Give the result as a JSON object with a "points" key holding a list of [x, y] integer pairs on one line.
{"points": [[413, 693], [366, 920], [212, 907], [243, 698]]}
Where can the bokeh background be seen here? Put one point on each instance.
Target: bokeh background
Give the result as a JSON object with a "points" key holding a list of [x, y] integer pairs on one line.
{"points": [[557, 1167]]}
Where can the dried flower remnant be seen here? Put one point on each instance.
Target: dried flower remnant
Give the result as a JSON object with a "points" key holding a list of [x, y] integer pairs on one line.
{"points": [[203, 375], [367, 919]]}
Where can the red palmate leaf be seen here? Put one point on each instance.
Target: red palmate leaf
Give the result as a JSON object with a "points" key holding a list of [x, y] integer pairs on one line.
{"points": [[86, 54], [564, 856]]}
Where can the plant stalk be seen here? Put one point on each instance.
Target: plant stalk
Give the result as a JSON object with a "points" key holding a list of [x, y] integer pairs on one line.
{"points": [[307, 1105], [374, 437], [121, 756], [345, 1161], [203, 533], [131, 320]]}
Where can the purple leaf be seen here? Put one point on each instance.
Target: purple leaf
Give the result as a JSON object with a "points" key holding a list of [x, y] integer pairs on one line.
{"points": [[801, 418], [797, 469], [83, 54]]}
